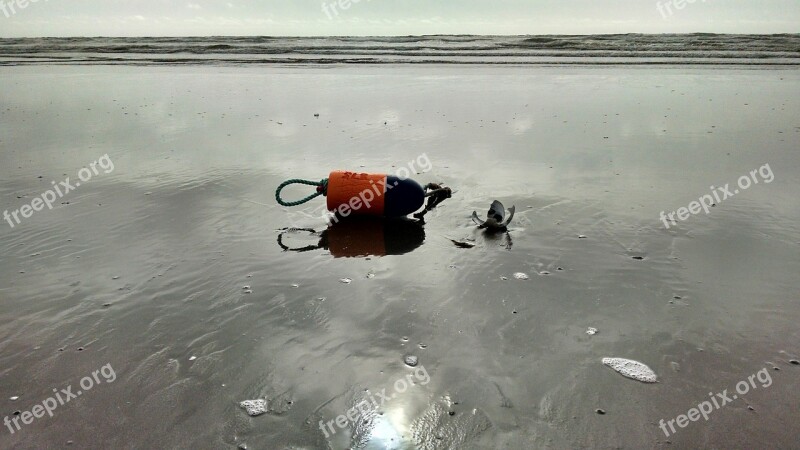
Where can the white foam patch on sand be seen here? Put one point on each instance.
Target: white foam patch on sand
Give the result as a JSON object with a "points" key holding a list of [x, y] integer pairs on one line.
{"points": [[631, 369], [254, 407]]}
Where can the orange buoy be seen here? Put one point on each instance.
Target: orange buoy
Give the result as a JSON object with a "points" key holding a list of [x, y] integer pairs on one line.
{"points": [[364, 194], [361, 192], [373, 194]]}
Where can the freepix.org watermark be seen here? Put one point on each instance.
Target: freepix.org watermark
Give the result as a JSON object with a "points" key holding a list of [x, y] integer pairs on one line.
{"points": [[62, 397], [58, 191], [11, 8], [717, 401], [343, 5], [374, 402], [719, 194], [665, 8]]}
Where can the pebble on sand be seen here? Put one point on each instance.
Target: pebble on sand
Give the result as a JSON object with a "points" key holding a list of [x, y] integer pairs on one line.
{"points": [[411, 360], [631, 369], [254, 407]]}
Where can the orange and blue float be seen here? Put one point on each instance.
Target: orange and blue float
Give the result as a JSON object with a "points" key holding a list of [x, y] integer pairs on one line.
{"points": [[363, 194]]}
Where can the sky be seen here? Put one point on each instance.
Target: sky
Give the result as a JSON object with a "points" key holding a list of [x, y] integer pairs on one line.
{"points": [[32, 18]]}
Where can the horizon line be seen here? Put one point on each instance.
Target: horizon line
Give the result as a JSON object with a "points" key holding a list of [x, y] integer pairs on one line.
{"points": [[396, 35]]}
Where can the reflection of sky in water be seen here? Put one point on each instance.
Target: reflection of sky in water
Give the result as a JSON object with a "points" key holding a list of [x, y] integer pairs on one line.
{"points": [[387, 432], [391, 425]]}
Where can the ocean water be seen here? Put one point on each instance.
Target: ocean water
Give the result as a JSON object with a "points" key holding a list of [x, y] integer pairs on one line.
{"points": [[698, 48]]}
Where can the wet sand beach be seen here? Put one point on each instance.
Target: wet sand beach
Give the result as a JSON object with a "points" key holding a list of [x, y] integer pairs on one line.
{"points": [[168, 267]]}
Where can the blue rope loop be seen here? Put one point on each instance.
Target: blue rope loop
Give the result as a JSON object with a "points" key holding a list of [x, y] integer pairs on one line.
{"points": [[322, 189]]}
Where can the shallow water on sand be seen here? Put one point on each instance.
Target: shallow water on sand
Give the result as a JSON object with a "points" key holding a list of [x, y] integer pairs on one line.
{"points": [[174, 254]]}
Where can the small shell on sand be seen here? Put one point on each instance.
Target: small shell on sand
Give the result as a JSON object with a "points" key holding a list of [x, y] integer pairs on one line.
{"points": [[254, 407], [590, 331], [631, 369]]}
